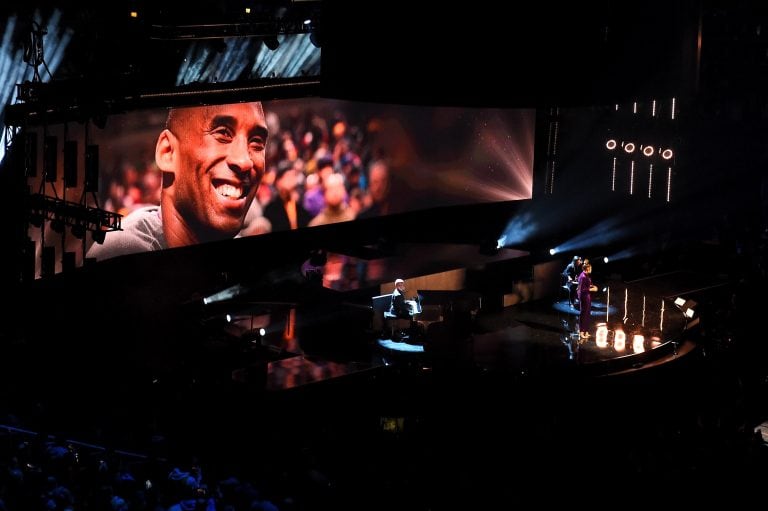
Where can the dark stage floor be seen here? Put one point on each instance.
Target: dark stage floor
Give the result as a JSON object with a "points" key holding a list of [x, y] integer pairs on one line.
{"points": [[536, 337]]}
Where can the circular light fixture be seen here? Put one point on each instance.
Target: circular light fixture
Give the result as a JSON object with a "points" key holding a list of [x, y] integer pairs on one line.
{"points": [[57, 224], [99, 236], [78, 231], [648, 150], [629, 147], [610, 145], [666, 154]]}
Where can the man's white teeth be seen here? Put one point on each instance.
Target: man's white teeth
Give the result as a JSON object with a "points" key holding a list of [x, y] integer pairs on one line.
{"points": [[229, 191]]}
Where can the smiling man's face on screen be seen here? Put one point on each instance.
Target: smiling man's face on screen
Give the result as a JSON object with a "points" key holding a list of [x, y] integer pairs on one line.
{"points": [[212, 159]]}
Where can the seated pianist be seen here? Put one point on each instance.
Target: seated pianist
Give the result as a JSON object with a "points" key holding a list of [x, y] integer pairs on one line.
{"points": [[400, 307]]}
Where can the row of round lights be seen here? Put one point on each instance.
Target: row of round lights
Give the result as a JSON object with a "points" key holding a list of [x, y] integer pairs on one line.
{"points": [[630, 147], [604, 338]]}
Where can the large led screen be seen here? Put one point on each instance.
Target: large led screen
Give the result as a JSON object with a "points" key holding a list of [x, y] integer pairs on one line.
{"points": [[298, 163], [204, 173]]}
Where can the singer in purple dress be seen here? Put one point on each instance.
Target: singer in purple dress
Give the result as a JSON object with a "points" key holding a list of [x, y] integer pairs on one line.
{"points": [[585, 300]]}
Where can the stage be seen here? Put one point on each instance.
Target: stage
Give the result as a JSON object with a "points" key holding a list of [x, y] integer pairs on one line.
{"points": [[629, 330]]}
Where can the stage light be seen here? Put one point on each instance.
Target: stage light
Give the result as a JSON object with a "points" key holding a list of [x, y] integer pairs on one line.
{"points": [[247, 10], [134, 14], [648, 150], [605, 259], [619, 338], [78, 231], [638, 343], [552, 251], [315, 38], [271, 42], [667, 154], [686, 306], [610, 145], [262, 332], [57, 224], [99, 236], [601, 335], [620, 342], [629, 147], [229, 318], [78, 216]]}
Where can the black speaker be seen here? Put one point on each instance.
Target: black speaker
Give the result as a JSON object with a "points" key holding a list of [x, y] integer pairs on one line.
{"points": [[70, 163], [92, 168], [69, 261], [49, 158], [30, 154], [48, 262]]}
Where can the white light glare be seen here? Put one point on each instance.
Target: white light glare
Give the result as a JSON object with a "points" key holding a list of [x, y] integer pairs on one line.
{"points": [[601, 336], [605, 259], [638, 343], [229, 318], [552, 251], [689, 313], [679, 301], [262, 332]]}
